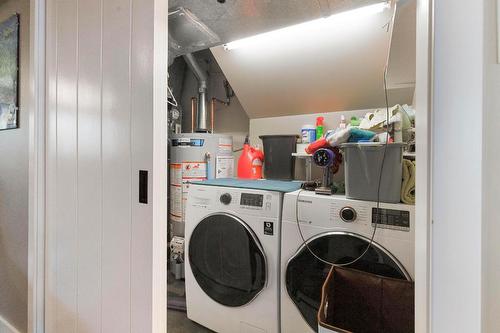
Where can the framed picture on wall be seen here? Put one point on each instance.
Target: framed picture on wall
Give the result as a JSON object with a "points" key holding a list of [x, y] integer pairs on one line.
{"points": [[9, 73]]}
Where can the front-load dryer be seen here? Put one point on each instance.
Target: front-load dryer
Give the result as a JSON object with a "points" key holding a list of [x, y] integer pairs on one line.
{"points": [[232, 258], [337, 230]]}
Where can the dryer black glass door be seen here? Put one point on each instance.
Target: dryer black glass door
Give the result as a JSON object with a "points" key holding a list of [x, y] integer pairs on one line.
{"points": [[227, 260], [305, 274]]}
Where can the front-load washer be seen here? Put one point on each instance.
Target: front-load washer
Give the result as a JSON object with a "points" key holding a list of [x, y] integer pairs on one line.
{"points": [[337, 230], [232, 258]]}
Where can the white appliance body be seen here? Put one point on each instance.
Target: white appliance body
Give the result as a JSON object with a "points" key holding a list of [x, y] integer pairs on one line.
{"points": [[320, 221], [233, 246], [189, 162]]}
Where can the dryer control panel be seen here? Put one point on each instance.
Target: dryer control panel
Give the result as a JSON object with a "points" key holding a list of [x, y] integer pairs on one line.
{"points": [[391, 219]]}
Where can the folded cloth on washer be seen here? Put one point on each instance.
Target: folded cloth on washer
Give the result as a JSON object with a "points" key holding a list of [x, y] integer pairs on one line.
{"points": [[408, 185]]}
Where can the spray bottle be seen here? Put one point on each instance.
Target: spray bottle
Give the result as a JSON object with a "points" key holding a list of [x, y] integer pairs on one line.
{"points": [[319, 127]]}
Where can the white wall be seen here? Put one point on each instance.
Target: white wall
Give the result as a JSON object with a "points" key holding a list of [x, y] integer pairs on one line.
{"points": [[491, 178], [457, 166], [231, 119], [14, 208], [102, 105]]}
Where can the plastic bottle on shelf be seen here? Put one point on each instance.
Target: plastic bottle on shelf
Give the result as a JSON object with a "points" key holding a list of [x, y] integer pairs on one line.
{"points": [[319, 127], [308, 133], [343, 123], [250, 162]]}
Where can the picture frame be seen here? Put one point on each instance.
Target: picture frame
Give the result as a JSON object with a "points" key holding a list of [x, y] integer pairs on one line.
{"points": [[9, 73]]}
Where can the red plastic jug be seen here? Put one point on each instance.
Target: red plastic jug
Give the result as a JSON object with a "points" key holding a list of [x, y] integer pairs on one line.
{"points": [[250, 162]]}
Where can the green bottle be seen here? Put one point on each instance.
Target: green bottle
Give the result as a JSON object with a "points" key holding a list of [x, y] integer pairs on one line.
{"points": [[319, 127]]}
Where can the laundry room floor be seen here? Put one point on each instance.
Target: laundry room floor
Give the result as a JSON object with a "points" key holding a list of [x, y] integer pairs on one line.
{"points": [[177, 321]]}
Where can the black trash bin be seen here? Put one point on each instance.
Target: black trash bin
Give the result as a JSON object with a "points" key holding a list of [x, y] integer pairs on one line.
{"points": [[278, 160]]}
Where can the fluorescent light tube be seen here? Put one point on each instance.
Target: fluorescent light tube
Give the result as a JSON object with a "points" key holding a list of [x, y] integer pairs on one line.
{"points": [[309, 27]]}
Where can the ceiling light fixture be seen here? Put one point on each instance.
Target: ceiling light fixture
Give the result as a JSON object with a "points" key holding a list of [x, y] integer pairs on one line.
{"points": [[308, 27]]}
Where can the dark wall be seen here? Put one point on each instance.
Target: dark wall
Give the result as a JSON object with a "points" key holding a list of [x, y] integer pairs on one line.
{"points": [[14, 147]]}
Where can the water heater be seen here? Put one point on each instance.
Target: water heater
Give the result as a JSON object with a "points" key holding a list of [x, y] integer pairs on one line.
{"points": [[195, 157]]}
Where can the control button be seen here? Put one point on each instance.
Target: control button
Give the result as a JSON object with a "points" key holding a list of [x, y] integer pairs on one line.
{"points": [[348, 214], [225, 198], [268, 206]]}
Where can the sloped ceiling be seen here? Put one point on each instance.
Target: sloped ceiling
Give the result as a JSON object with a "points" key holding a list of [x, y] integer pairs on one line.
{"points": [[236, 19], [337, 69]]}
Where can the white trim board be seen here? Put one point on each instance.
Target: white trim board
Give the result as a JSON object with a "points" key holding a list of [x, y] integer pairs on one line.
{"points": [[423, 107], [36, 243], [498, 31]]}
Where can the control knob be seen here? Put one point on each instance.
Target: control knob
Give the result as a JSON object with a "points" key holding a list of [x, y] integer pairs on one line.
{"points": [[225, 198], [348, 214]]}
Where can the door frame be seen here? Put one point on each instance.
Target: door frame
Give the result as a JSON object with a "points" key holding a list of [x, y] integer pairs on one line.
{"points": [[37, 132], [36, 252], [424, 125]]}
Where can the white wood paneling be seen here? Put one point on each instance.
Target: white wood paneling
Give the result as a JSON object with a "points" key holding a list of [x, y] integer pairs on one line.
{"points": [[89, 166], [66, 166], [116, 166], [141, 94], [105, 263]]}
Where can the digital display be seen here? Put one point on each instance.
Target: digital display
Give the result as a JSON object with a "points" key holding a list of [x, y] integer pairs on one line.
{"points": [[391, 218], [253, 200]]}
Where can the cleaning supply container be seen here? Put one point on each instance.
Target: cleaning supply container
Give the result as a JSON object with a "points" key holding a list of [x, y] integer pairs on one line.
{"points": [[308, 133], [320, 127], [278, 160], [363, 164], [250, 162]]}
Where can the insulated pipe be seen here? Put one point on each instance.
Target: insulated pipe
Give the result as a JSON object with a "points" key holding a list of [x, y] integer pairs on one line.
{"points": [[193, 107], [201, 76]]}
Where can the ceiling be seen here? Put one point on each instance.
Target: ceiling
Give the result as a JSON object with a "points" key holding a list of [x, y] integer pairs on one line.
{"points": [[236, 19], [335, 69]]}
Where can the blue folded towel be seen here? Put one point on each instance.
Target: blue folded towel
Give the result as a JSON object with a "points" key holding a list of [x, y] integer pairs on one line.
{"points": [[360, 135]]}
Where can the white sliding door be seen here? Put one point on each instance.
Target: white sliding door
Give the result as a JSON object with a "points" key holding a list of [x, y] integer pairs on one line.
{"points": [[106, 93]]}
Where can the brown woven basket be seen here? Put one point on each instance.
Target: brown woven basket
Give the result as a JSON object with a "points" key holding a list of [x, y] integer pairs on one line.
{"points": [[358, 302]]}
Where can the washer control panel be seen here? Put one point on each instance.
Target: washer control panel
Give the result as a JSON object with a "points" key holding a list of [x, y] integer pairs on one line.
{"points": [[251, 199]]}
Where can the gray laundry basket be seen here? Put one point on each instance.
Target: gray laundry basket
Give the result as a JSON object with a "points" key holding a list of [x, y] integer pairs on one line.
{"points": [[363, 162]]}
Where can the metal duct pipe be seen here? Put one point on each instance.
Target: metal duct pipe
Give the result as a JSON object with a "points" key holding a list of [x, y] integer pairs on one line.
{"points": [[201, 76]]}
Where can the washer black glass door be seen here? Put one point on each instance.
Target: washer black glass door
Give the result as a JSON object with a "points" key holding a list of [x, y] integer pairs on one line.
{"points": [[227, 260], [305, 274]]}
